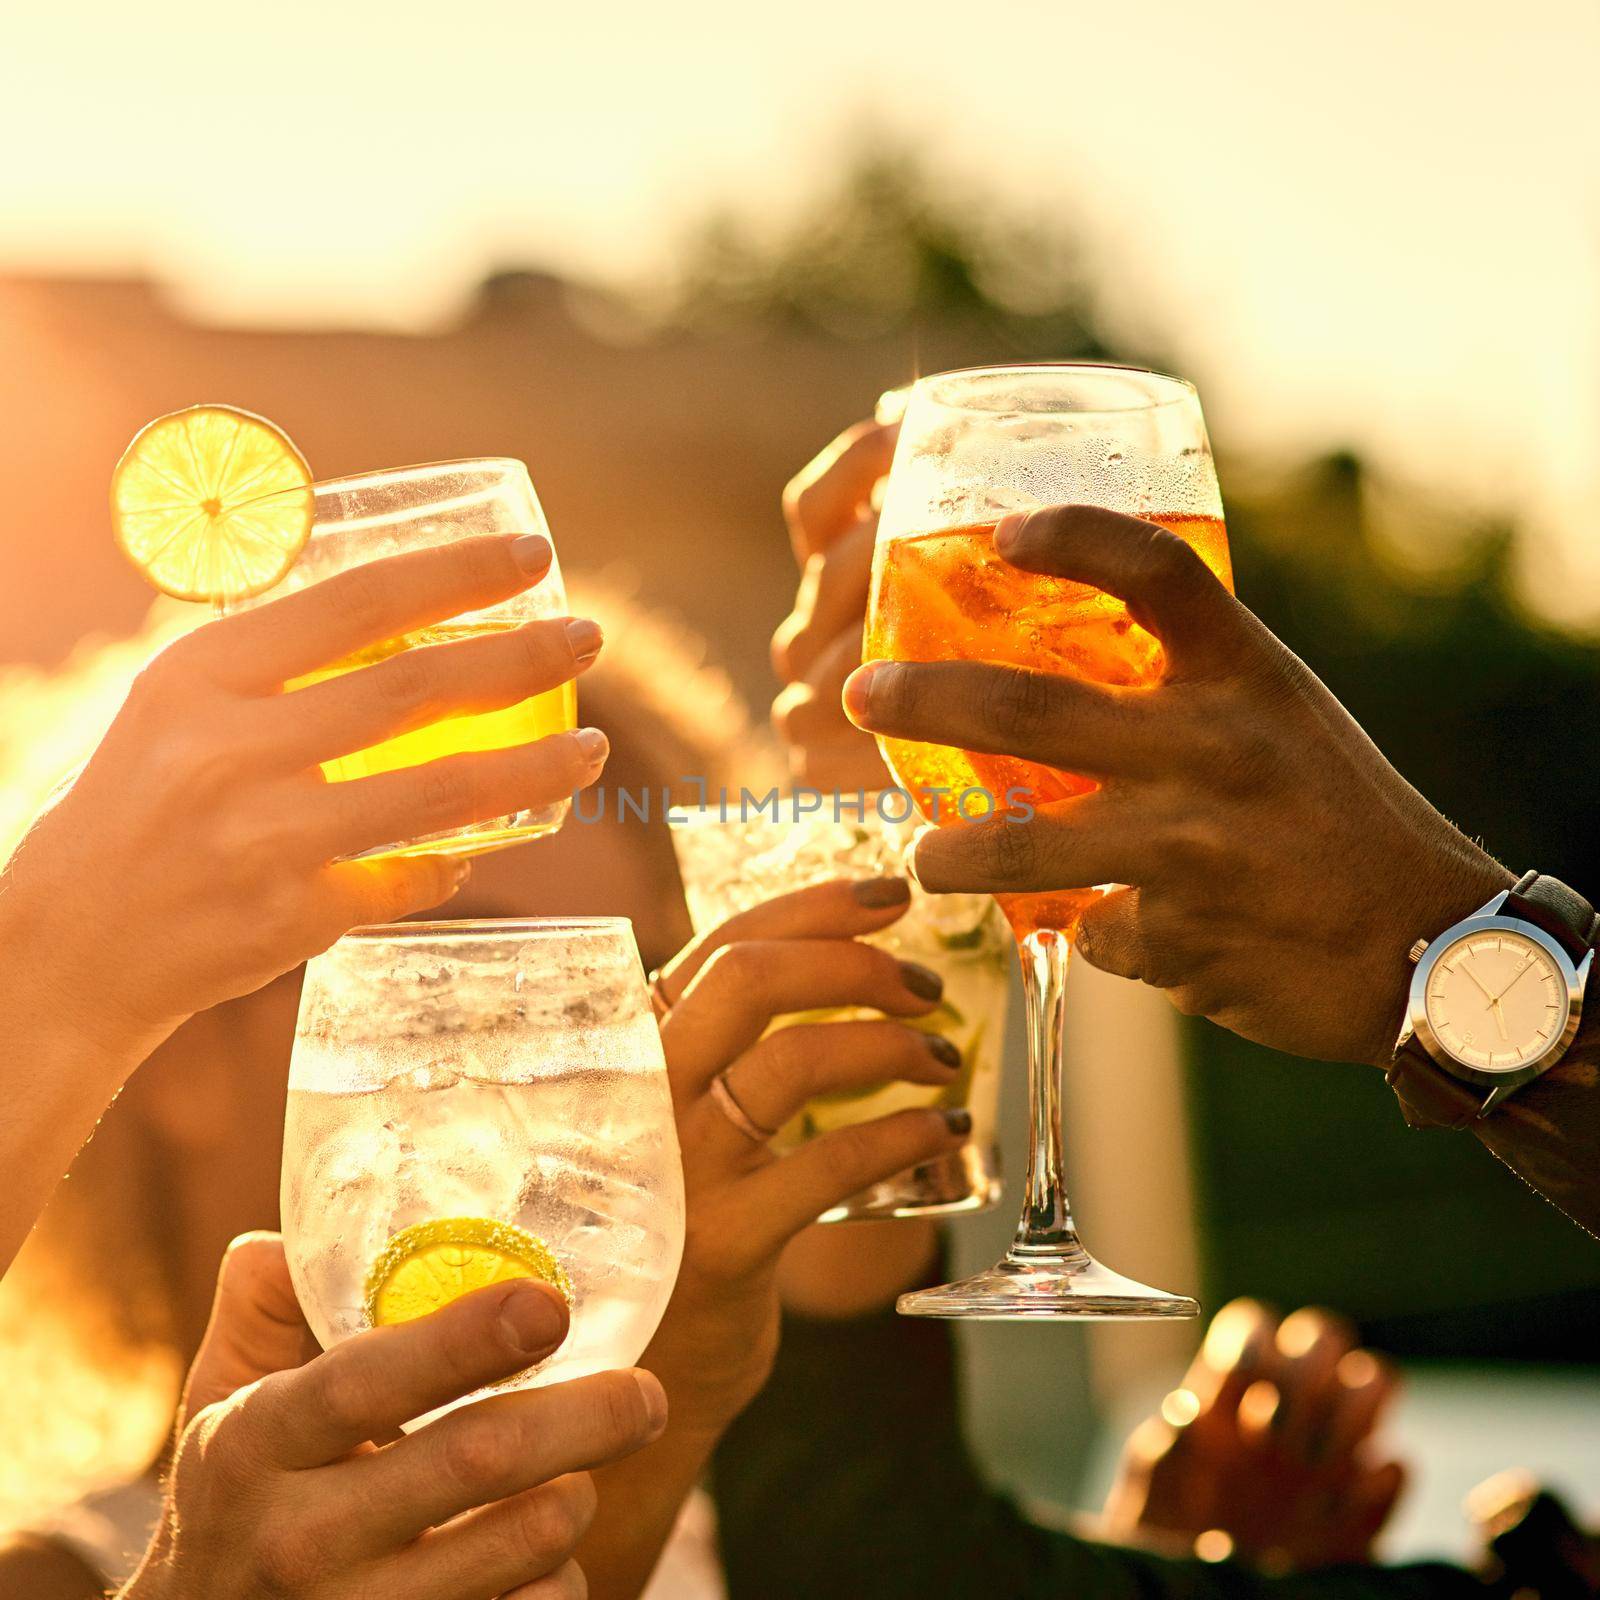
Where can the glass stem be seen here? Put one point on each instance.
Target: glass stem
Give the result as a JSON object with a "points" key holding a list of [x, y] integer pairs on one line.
{"points": [[1046, 1227]]}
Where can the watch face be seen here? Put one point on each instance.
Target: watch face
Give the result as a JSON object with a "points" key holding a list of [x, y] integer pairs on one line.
{"points": [[1496, 1000]]}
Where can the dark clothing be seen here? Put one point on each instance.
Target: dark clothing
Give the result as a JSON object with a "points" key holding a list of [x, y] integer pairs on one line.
{"points": [[848, 1479]]}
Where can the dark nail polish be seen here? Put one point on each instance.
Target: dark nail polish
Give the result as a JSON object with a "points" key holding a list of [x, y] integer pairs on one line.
{"points": [[942, 1050], [924, 983], [876, 893], [957, 1119]]}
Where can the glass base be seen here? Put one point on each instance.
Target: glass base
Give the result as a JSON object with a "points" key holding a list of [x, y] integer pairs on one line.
{"points": [[964, 1181], [477, 839], [1047, 1285]]}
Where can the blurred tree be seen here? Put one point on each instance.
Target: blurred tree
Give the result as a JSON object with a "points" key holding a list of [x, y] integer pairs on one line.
{"points": [[888, 245]]}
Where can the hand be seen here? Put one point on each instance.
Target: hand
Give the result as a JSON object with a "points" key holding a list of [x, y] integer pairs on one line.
{"points": [[831, 510], [1280, 867], [1267, 1449], [193, 858], [715, 1346], [792, 954], [278, 1487]]}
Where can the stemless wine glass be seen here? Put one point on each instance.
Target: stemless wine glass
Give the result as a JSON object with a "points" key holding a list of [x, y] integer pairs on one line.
{"points": [[474, 1101], [974, 446], [732, 862], [377, 514]]}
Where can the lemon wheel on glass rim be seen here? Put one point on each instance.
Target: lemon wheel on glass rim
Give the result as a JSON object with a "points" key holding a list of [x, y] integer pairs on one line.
{"points": [[211, 503]]}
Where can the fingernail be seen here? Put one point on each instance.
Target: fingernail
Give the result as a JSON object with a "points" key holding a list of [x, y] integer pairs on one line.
{"points": [[594, 744], [460, 871], [1007, 529], [957, 1119], [942, 1050], [858, 688], [530, 1319], [655, 1400], [584, 638], [923, 982], [532, 552], [876, 893]]}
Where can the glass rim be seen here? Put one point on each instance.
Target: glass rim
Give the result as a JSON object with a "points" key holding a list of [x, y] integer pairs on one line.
{"points": [[422, 469], [488, 928], [1184, 389]]}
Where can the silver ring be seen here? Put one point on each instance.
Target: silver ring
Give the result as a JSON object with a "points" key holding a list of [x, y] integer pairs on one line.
{"points": [[736, 1113]]}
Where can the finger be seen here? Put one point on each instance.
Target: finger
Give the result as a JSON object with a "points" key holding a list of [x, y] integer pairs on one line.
{"points": [[373, 1383], [842, 908], [1110, 936], [789, 1194], [1365, 1386], [773, 1079], [567, 1584], [504, 1446], [256, 1325], [851, 764], [744, 986], [265, 647], [360, 814], [832, 601], [1370, 1504], [1310, 1345], [357, 894], [416, 687], [1069, 844], [812, 709], [833, 489], [1166, 586], [1100, 730], [1237, 1350], [520, 1540]]}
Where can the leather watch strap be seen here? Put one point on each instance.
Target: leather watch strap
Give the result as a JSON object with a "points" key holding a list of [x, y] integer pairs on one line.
{"points": [[1563, 913], [1428, 1095]]}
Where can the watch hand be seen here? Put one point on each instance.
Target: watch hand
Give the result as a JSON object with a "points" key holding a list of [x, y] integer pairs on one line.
{"points": [[1522, 971], [1500, 1019], [1477, 980]]}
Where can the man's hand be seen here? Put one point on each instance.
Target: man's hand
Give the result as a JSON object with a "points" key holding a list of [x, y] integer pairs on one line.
{"points": [[1279, 867], [285, 1487]]}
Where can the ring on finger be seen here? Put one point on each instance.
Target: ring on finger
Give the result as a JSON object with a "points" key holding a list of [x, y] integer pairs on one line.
{"points": [[728, 1104], [659, 1003]]}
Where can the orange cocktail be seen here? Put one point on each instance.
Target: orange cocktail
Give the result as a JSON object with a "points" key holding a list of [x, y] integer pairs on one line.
{"points": [[948, 596]]}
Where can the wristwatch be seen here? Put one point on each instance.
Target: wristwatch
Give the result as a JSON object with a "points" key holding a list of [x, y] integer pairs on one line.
{"points": [[1495, 1002]]}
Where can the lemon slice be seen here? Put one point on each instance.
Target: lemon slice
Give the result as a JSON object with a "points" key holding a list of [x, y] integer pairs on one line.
{"points": [[426, 1266], [211, 503]]}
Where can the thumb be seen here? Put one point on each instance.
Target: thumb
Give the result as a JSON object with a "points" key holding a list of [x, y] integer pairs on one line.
{"points": [[256, 1325]]}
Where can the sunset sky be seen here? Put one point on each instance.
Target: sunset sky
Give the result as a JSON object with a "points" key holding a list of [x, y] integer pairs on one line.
{"points": [[1374, 222]]}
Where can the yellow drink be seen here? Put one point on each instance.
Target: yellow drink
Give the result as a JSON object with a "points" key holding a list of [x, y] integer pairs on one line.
{"points": [[537, 717]]}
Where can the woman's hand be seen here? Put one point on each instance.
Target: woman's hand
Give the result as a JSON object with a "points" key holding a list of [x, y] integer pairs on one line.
{"points": [[793, 954], [279, 1488], [1280, 868], [715, 1346], [831, 509], [1266, 1452], [195, 856]]}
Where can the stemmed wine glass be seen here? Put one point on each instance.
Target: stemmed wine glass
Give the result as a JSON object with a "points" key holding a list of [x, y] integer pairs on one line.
{"points": [[975, 446]]}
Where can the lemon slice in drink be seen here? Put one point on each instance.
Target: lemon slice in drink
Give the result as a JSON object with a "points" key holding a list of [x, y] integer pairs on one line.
{"points": [[211, 503], [426, 1266]]}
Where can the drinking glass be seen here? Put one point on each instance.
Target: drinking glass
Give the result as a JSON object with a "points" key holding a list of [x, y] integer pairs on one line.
{"points": [[731, 861], [470, 1101], [974, 446], [377, 514]]}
